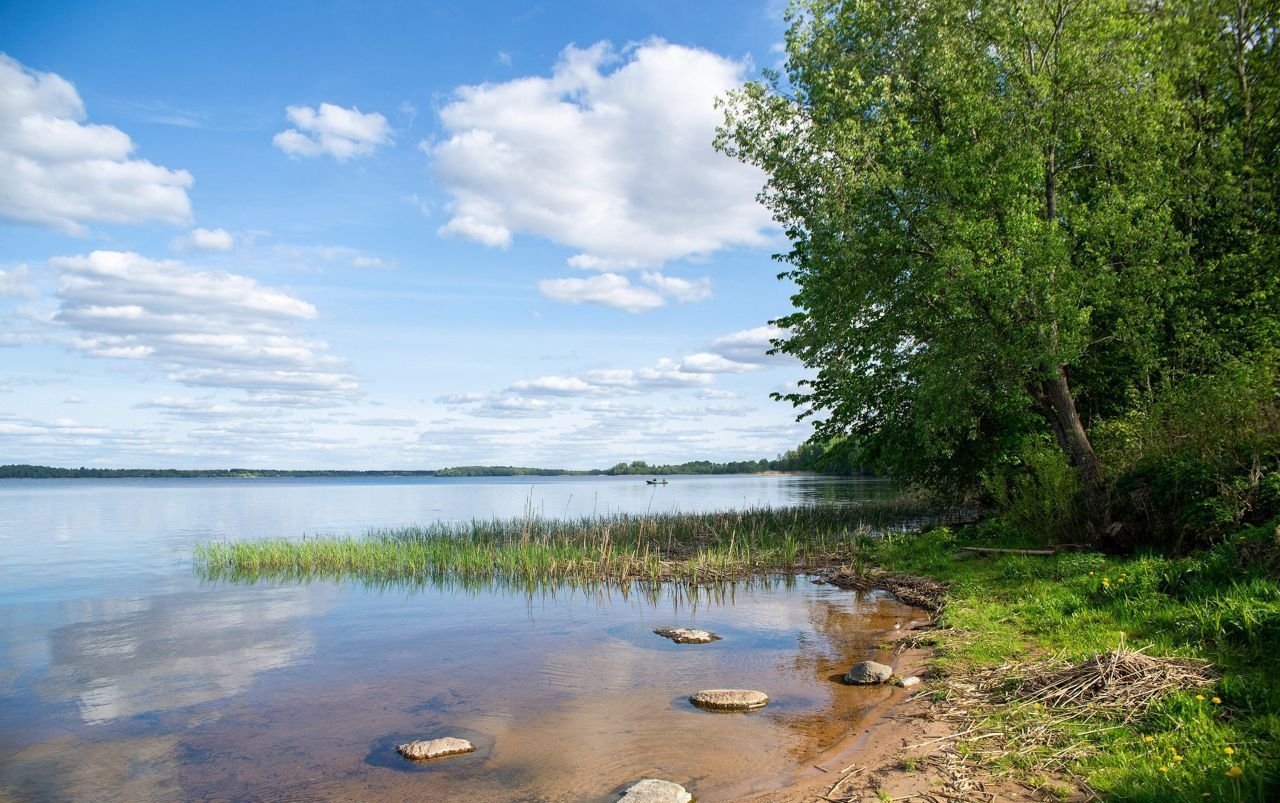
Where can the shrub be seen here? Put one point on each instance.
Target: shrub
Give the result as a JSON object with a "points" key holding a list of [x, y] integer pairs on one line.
{"points": [[1201, 462]]}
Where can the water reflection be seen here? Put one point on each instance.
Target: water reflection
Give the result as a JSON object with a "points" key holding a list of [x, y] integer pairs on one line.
{"points": [[124, 677]]}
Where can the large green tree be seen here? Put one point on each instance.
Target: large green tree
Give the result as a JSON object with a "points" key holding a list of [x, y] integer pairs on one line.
{"points": [[1010, 217]]}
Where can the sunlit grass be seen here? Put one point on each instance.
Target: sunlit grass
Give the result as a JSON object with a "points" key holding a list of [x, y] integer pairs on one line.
{"points": [[1220, 605], [693, 547]]}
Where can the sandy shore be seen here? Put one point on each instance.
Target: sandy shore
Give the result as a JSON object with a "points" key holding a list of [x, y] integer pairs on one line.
{"points": [[869, 764]]}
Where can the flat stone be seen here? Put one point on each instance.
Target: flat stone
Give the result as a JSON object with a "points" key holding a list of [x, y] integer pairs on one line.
{"points": [[422, 749], [730, 699], [867, 673], [652, 790], [687, 635], [907, 683]]}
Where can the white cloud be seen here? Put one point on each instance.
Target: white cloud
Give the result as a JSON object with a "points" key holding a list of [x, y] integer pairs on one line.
{"points": [[713, 394], [203, 329], [682, 291], [617, 291], [616, 164], [333, 131], [750, 345], [61, 172], [555, 386], [606, 289], [206, 240], [14, 283], [705, 363]]}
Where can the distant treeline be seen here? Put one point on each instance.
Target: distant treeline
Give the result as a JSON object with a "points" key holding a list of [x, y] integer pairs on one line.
{"points": [[807, 457]]}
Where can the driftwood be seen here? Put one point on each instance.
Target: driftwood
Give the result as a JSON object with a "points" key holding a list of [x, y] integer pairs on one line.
{"points": [[919, 592], [1046, 552]]}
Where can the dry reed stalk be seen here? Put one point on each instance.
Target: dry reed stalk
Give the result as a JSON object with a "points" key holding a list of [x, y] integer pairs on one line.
{"points": [[1122, 680]]}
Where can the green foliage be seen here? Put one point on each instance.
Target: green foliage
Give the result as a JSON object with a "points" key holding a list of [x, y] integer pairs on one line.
{"points": [[988, 202], [1202, 461], [1038, 494]]}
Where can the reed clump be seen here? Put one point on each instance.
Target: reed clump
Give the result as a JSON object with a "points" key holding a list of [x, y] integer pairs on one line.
{"points": [[693, 547]]}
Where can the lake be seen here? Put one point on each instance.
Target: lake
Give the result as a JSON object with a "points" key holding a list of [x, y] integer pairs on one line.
{"points": [[125, 677]]}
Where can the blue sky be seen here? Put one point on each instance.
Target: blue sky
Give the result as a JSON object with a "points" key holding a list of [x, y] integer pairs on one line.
{"points": [[383, 235]]}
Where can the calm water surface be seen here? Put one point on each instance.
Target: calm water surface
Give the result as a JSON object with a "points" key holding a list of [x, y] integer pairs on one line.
{"points": [[124, 677]]}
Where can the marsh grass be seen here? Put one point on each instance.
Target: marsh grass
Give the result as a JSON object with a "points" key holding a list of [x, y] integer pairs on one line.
{"points": [[689, 547]]}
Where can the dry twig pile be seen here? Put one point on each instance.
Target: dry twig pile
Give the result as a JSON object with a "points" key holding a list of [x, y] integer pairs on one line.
{"points": [[1122, 680]]}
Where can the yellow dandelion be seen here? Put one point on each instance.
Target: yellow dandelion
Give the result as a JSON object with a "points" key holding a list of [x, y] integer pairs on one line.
{"points": [[1200, 697], [1173, 750], [1235, 772], [1148, 738], [1231, 751], [1177, 758], [1164, 768], [1216, 701]]}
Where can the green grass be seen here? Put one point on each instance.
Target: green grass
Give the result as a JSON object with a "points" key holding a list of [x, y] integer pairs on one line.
{"points": [[694, 547], [1221, 605]]}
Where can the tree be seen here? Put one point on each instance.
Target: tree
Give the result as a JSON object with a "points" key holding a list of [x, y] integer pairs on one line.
{"points": [[978, 196]]}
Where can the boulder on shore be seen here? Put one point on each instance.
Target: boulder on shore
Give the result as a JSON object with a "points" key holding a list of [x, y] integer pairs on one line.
{"points": [[652, 790], [687, 635], [422, 749], [730, 699], [868, 673]]}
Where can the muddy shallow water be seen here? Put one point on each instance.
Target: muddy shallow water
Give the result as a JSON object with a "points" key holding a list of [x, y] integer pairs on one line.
{"points": [[143, 683]]}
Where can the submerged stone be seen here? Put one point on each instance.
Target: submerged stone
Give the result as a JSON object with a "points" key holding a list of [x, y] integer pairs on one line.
{"points": [[687, 635], [907, 683], [730, 699], [867, 673], [422, 749], [652, 790]]}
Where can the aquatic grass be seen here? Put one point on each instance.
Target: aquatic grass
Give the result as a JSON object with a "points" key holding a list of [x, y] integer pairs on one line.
{"points": [[692, 547]]}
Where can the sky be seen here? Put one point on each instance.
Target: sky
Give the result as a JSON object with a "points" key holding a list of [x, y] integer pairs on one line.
{"points": [[371, 235]]}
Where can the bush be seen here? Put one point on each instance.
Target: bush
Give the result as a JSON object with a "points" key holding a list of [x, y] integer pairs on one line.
{"points": [[1039, 494], [1202, 462]]}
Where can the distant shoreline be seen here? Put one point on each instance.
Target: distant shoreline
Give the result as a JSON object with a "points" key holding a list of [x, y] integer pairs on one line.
{"points": [[700, 468]]}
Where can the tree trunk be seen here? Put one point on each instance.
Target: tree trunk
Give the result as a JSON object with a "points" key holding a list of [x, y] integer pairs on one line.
{"points": [[1060, 409]]}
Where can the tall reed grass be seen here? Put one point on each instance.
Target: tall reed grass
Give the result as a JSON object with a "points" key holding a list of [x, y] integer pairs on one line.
{"points": [[692, 547]]}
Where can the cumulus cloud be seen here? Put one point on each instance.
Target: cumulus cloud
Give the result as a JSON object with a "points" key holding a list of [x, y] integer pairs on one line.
{"points": [[749, 345], [332, 131], [206, 240], [60, 171], [607, 290], [14, 283], [203, 329], [704, 363], [615, 163], [617, 291]]}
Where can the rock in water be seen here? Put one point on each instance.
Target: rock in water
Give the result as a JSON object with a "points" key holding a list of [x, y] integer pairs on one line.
{"points": [[687, 635], [730, 699], [907, 683], [651, 790], [867, 673], [422, 749]]}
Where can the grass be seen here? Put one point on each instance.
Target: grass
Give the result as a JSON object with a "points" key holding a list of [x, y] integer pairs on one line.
{"points": [[693, 547], [1221, 605]]}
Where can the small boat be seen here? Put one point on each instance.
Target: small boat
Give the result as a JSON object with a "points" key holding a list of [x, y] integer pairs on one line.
{"points": [[655, 481]]}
